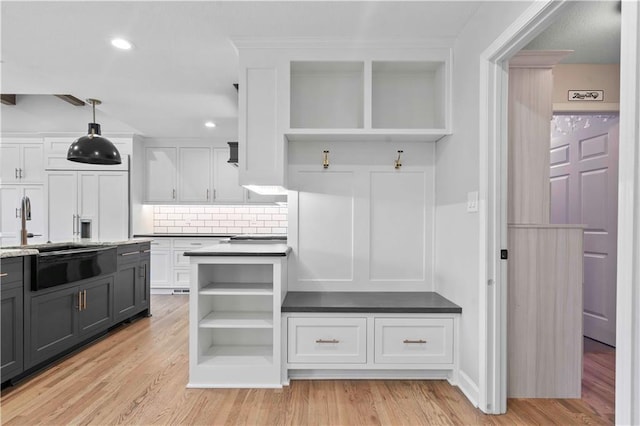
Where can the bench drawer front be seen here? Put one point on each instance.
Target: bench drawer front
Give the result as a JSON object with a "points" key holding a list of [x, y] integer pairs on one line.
{"points": [[161, 243], [414, 340], [327, 340]]}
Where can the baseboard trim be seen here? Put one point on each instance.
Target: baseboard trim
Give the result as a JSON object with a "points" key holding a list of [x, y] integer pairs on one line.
{"points": [[469, 388], [169, 291], [326, 374]]}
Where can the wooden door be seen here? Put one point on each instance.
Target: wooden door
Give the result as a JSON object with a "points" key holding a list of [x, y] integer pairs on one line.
{"points": [[584, 190]]}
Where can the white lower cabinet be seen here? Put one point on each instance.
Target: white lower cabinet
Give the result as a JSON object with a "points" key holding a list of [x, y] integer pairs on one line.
{"points": [[371, 345], [234, 321], [170, 269]]}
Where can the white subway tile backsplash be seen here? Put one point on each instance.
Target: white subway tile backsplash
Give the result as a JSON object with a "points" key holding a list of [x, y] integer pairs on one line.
{"points": [[220, 219]]}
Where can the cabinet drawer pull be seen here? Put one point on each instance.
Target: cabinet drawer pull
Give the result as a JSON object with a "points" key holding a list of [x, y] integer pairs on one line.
{"points": [[4, 274], [84, 299], [129, 253], [196, 244], [414, 341], [173, 194], [16, 173], [21, 177], [327, 341], [146, 251], [79, 300]]}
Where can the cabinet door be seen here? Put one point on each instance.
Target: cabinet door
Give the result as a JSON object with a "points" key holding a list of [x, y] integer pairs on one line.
{"points": [[113, 207], [32, 164], [10, 197], [194, 175], [161, 270], [97, 306], [160, 174], [10, 163], [53, 324], [12, 333], [38, 223], [225, 178], [125, 293], [61, 213]]}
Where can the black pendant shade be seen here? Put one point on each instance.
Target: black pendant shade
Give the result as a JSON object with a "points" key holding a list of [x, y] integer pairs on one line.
{"points": [[93, 148]]}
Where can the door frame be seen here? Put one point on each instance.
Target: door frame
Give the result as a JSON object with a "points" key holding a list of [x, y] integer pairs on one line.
{"points": [[493, 201]]}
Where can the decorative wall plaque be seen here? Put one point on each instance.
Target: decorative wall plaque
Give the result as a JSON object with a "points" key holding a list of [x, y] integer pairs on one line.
{"points": [[586, 95]]}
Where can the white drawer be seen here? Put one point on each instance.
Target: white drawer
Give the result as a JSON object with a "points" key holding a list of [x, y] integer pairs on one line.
{"points": [[179, 259], [413, 340], [327, 340], [161, 243], [181, 277], [194, 243]]}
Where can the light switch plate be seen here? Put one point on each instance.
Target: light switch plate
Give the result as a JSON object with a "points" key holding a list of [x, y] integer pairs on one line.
{"points": [[472, 202]]}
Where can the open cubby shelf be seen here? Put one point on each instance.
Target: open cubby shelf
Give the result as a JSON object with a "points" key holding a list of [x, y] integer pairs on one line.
{"points": [[237, 319], [239, 289]]}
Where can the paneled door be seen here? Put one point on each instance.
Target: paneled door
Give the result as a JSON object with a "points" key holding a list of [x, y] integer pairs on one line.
{"points": [[584, 190]]}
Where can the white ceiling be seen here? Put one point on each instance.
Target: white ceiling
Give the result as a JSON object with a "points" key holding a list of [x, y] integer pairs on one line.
{"points": [[181, 71], [590, 28]]}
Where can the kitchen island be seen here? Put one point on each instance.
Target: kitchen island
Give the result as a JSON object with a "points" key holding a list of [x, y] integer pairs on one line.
{"points": [[236, 292], [58, 297]]}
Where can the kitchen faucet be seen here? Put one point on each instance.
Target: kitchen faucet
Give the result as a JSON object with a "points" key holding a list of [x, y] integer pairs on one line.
{"points": [[25, 215]]}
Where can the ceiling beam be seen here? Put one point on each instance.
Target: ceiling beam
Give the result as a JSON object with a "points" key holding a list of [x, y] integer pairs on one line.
{"points": [[71, 99], [8, 99]]}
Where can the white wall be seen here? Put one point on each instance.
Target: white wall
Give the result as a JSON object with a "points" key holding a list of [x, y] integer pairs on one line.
{"points": [[457, 173]]}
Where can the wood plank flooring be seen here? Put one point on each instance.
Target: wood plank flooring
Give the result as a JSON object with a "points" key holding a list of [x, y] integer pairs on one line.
{"points": [[137, 376]]}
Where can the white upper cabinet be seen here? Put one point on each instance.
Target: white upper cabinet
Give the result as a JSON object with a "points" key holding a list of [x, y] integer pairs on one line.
{"points": [[160, 174], [297, 91], [10, 208], [22, 161], [225, 179], [194, 175]]}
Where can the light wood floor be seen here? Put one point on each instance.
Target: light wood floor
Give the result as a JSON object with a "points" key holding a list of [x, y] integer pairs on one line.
{"points": [[138, 376]]}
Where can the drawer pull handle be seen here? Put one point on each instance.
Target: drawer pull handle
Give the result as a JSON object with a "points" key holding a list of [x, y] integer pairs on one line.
{"points": [[4, 274], [327, 341], [146, 251], [414, 341], [196, 244], [129, 253]]}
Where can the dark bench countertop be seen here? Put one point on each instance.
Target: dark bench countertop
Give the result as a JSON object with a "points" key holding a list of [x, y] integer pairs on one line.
{"points": [[369, 302]]}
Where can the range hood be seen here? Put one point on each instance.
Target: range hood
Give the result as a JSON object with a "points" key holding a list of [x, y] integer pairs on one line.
{"points": [[233, 153]]}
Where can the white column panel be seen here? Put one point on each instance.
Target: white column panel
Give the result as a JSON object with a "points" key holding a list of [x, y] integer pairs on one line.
{"points": [[326, 225], [397, 230]]}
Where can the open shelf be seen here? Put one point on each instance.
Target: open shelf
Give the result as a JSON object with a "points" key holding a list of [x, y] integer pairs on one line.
{"points": [[252, 355], [327, 95], [359, 135], [239, 289], [237, 319]]}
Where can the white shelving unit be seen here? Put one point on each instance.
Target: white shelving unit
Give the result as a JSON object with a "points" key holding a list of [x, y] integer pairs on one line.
{"points": [[235, 321]]}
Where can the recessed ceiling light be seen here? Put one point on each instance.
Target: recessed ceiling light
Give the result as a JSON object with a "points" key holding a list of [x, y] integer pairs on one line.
{"points": [[121, 43], [210, 124]]}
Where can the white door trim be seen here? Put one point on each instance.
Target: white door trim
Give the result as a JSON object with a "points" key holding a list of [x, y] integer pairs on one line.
{"points": [[493, 143], [493, 199], [628, 298]]}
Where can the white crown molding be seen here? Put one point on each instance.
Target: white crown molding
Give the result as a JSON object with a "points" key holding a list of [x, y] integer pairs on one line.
{"points": [[337, 43]]}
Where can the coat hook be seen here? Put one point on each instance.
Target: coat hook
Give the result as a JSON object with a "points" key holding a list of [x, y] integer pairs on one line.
{"points": [[325, 159], [398, 164]]}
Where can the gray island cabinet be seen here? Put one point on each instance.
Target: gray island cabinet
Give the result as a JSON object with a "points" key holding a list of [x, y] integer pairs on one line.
{"points": [[40, 326]]}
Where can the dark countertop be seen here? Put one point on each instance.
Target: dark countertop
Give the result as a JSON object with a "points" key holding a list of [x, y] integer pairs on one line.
{"points": [[183, 235], [428, 302], [33, 248], [226, 248]]}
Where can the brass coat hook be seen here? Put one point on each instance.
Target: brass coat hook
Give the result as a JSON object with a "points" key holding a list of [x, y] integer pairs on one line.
{"points": [[325, 159], [398, 164]]}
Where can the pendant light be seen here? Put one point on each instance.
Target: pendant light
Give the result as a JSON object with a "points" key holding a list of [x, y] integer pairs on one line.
{"points": [[93, 148]]}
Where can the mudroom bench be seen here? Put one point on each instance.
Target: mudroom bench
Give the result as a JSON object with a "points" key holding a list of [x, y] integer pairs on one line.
{"points": [[369, 335]]}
